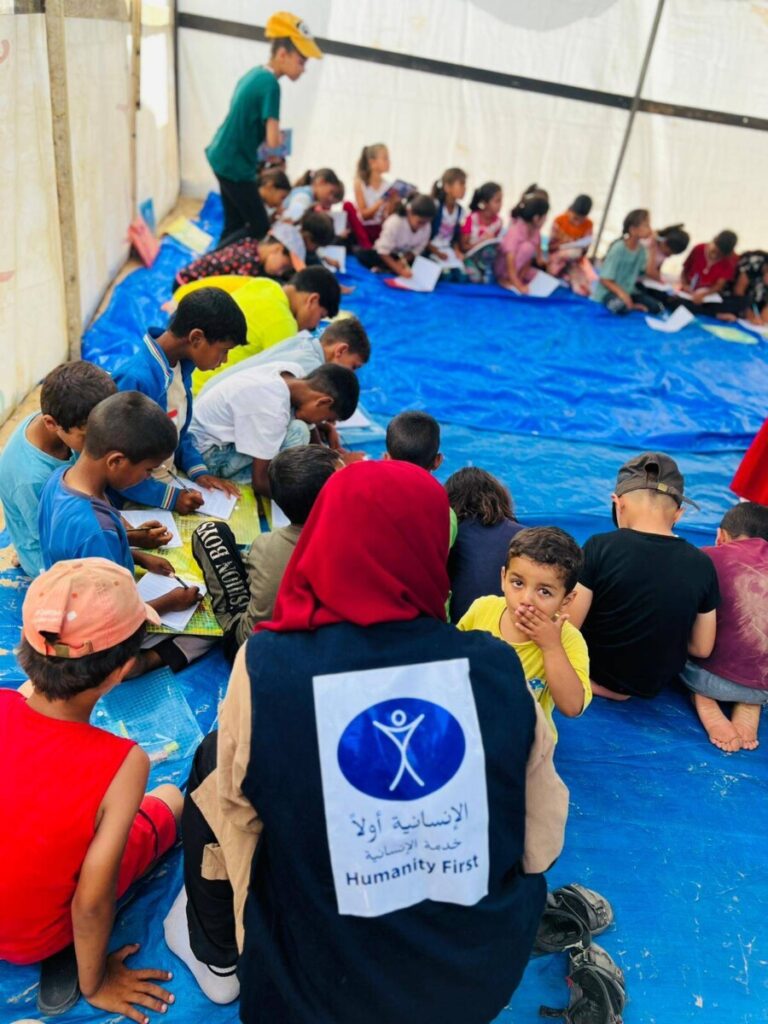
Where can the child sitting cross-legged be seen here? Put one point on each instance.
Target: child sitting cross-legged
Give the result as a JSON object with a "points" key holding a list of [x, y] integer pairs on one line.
{"points": [[243, 590], [241, 422], [41, 444], [206, 326], [404, 236], [538, 580], [645, 597], [79, 826], [736, 672], [624, 265], [126, 437]]}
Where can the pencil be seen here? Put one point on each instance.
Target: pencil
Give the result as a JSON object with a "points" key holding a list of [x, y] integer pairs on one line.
{"points": [[185, 585]]}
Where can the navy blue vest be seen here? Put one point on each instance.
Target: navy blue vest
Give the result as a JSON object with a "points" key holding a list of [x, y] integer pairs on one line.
{"points": [[303, 962]]}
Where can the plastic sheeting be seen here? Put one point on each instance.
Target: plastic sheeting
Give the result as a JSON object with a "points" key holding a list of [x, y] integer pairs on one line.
{"points": [[32, 319], [706, 56], [30, 250], [663, 824]]}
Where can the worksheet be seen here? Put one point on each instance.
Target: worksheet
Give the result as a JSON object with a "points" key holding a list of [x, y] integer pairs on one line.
{"points": [[426, 274], [138, 516], [152, 585], [679, 319]]}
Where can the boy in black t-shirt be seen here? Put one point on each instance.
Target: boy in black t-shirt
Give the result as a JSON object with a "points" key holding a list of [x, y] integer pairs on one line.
{"points": [[645, 598]]}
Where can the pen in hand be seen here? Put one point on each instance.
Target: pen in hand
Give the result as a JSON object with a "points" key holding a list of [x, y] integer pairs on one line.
{"points": [[185, 585]]}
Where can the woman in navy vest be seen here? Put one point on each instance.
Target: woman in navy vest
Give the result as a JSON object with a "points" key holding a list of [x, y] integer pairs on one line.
{"points": [[384, 799]]}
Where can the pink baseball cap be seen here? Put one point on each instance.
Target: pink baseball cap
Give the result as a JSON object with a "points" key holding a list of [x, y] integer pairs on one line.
{"points": [[82, 606]]}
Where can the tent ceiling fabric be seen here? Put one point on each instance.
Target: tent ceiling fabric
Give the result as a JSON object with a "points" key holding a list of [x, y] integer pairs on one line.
{"points": [[706, 55]]}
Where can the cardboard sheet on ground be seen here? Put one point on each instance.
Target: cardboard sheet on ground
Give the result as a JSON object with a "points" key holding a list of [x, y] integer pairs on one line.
{"points": [[662, 823]]}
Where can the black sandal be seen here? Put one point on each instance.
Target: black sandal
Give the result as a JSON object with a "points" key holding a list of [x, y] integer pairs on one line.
{"points": [[598, 992], [560, 928], [593, 909], [59, 987]]}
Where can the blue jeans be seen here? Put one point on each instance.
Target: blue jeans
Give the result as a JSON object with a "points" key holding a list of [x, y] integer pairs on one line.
{"points": [[699, 680], [225, 461]]}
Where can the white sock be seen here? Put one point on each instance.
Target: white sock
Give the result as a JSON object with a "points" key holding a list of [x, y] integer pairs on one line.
{"points": [[220, 985]]}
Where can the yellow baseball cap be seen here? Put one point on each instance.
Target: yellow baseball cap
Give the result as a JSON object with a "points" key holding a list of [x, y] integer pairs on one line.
{"points": [[284, 25]]}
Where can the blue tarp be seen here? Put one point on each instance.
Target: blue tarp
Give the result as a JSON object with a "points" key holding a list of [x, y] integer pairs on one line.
{"points": [[552, 396]]}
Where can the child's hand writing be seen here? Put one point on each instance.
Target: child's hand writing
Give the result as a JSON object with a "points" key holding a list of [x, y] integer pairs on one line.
{"points": [[216, 483], [149, 535], [122, 987], [405, 270], [539, 627], [188, 501], [177, 600], [156, 563]]}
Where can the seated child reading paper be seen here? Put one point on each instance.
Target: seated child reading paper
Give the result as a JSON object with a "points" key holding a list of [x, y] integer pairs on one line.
{"points": [[126, 437], [538, 581], [41, 444], [79, 826]]}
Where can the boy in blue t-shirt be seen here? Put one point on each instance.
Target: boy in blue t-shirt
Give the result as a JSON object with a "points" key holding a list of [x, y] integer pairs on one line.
{"points": [[206, 326], [41, 444], [127, 436]]}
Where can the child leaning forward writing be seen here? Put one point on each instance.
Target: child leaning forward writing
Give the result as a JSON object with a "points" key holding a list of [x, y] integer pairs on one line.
{"points": [[538, 582], [622, 267], [405, 236], [80, 827]]}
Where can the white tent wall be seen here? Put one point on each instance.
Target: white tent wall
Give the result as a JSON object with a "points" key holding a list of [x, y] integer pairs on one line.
{"points": [[33, 323], [708, 54], [32, 318]]}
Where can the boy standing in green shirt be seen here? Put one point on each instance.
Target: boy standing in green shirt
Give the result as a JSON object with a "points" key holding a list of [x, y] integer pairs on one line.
{"points": [[254, 118]]}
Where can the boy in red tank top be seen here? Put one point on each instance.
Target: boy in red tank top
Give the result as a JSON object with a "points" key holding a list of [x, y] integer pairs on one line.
{"points": [[80, 827]]}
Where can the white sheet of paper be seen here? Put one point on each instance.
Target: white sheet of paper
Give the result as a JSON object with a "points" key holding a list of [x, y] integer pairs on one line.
{"points": [[757, 328], [679, 319], [334, 252], [340, 221], [714, 297], [542, 286], [658, 286], [215, 503], [137, 516], [579, 243], [279, 518], [451, 261], [426, 274], [357, 420], [152, 585]]}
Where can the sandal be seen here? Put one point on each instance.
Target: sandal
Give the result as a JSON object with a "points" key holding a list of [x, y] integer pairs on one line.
{"points": [[598, 992], [59, 988], [560, 928], [593, 909]]}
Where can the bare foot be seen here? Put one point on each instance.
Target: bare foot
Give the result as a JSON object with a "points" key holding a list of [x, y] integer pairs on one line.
{"points": [[603, 691], [745, 720], [721, 730]]}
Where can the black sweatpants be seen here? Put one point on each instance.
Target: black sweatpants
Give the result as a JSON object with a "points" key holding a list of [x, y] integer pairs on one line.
{"points": [[243, 208], [210, 907]]}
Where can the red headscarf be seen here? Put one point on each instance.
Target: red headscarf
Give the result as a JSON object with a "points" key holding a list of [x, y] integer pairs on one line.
{"points": [[374, 549]]}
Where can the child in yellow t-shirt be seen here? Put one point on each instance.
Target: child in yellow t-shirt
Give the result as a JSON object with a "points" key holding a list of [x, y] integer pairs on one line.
{"points": [[538, 581]]}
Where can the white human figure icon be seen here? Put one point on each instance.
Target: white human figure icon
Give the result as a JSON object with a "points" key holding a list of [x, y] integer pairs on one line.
{"points": [[401, 733]]}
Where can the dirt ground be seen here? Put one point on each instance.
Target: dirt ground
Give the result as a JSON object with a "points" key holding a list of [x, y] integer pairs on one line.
{"points": [[185, 207]]}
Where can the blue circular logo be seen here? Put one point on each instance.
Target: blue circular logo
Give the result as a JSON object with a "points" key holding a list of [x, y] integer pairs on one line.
{"points": [[401, 749]]}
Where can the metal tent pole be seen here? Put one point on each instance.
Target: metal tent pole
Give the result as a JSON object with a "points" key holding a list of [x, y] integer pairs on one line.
{"points": [[630, 121]]}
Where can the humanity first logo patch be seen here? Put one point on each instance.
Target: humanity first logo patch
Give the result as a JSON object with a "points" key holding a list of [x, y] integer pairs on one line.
{"points": [[401, 749]]}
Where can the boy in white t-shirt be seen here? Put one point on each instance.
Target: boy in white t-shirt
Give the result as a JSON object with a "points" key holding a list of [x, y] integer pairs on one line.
{"points": [[243, 422]]}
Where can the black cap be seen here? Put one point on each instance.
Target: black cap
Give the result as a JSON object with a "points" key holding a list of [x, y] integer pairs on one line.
{"points": [[652, 471]]}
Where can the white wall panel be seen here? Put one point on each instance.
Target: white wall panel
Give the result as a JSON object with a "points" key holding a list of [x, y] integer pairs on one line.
{"points": [[32, 322]]}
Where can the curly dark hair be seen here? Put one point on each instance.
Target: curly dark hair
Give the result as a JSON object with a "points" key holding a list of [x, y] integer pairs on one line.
{"points": [[549, 545]]}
